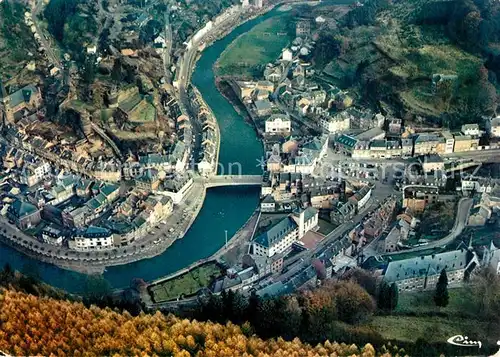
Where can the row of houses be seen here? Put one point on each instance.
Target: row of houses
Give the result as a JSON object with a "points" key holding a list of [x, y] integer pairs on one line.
{"points": [[344, 211], [419, 144]]}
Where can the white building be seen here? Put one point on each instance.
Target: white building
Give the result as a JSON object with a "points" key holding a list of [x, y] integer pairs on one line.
{"points": [[205, 168], [320, 20], [160, 41], [202, 33], [52, 235], [287, 55], [177, 188], [493, 126], [337, 124], [470, 184], [281, 237], [278, 124], [268, 204], [258, 3], [450, 142], [471, 129], [93, 238], [91, 50], [41, 169], [361, 197]]}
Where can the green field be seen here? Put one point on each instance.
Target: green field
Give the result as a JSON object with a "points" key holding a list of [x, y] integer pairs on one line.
{"points": [[249, 53], [186, 284], [453, 319]]}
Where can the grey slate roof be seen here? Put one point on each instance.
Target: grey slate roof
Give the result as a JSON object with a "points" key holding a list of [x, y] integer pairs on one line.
{"points": [[426, 265], [21, 209], [277, 232], [309, 213]]}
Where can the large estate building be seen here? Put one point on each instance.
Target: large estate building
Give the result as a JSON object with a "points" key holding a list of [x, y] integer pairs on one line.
{"points": [[422, 273], [282, 235]]}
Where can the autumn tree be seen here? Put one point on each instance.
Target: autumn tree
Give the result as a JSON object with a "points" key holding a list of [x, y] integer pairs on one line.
{"points": [[41, 326]]}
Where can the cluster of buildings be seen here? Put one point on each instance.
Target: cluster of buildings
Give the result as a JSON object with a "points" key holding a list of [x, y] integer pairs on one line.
{"points": [[87, 214], [344, 209], [287, 82], [81, 211], [401, 231], [286, 188], [295, 155], [58, 206], [375, 225], [210, 138], [487, 203], [373, 143], [353, 118]]}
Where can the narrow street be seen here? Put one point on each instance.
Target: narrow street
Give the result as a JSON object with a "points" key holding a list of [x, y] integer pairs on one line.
{"points": [[43, 36]]}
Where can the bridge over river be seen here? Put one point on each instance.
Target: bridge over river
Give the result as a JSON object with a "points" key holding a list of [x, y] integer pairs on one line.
{"points": [[231, 180]]}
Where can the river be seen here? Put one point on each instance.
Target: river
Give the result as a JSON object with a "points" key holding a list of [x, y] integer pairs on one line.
{"points": [[224, 208]]}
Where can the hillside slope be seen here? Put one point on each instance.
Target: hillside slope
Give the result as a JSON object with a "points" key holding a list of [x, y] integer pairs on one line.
{"points": [[435, 59]]}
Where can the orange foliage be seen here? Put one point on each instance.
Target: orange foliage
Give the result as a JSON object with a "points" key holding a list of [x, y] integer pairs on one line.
{"points": [[31, 325]]}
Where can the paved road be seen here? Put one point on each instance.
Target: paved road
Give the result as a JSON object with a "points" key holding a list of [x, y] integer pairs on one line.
{"points": [[45, 44], [492, 155], [156, 241], [168, 49]]}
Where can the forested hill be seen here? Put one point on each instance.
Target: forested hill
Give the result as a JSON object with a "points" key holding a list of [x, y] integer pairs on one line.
{"points": [[43, 326], [390, 52]]}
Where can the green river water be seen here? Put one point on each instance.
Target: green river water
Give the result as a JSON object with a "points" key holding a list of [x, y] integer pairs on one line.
{"points": [[224, 208]]}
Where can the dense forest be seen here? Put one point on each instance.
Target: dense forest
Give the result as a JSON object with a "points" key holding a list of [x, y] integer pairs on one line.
{"points": [[72, 23], [42, 326], [332, 311], [342, 310]]}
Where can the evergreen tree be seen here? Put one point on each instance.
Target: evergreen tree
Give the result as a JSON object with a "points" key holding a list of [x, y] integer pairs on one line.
{"points": [[441, 297], [388, 296], [393, 296], [382, 296]]}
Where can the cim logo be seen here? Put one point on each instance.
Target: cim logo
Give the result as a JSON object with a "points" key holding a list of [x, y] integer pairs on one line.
{"points": [[464, 341]]}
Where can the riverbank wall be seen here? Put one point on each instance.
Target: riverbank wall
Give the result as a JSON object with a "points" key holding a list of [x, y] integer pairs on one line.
{"points": [[83, 264], [98, 261], [238, 239]]}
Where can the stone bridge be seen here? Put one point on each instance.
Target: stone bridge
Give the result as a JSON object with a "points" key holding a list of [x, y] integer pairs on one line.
{"points": [[232, 180]]}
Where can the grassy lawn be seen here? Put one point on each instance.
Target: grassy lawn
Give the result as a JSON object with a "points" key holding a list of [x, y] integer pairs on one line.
{"points": [[247, 55], [431, 328], [404, 326], [186, 284], [423, 302]]}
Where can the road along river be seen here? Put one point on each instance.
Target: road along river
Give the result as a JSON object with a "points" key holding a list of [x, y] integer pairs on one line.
{"points": [[225, 208]]}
